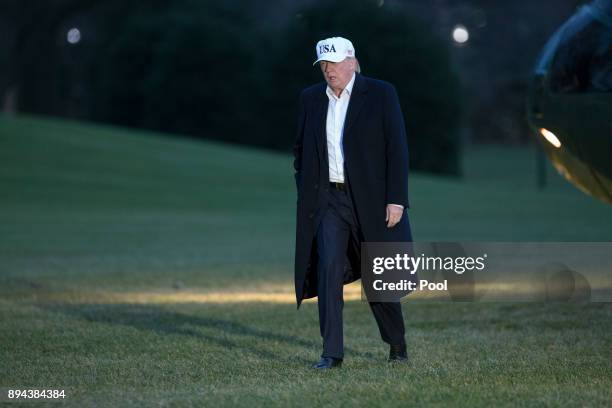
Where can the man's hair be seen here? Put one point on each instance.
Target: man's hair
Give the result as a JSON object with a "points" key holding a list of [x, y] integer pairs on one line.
{"points": [[357, 66]]}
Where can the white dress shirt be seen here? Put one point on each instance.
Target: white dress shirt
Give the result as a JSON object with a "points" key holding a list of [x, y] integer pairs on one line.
{"points": [[334, 128], [336, 114]]}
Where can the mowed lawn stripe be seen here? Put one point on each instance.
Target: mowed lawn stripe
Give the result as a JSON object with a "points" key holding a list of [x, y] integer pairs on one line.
{"points": [[89, 211]]}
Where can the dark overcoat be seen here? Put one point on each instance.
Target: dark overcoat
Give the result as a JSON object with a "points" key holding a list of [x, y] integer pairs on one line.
{"points": [[375, 167]]}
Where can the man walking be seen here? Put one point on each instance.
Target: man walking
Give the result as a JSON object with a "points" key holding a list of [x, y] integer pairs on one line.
{"points": [[351, 172]]}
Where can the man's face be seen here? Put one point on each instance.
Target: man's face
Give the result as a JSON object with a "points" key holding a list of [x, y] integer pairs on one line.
{"points": [[338, 74]]}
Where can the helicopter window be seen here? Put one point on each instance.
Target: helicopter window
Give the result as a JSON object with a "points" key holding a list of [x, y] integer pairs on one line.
{"points": [[583, 61]]}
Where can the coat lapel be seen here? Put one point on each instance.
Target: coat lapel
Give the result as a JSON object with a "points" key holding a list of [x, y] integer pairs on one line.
{"points": [[321, 119], [358, 97]]}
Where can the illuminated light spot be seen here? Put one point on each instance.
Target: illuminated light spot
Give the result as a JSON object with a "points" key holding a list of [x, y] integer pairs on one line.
{"points": [[73, 36], [550, 137], [460, 34]]}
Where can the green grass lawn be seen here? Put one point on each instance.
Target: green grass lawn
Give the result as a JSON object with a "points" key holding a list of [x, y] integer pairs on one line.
{"points": [[130, 265]]}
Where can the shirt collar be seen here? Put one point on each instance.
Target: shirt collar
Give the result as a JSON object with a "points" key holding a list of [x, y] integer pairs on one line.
{"points": [[348, 89]]}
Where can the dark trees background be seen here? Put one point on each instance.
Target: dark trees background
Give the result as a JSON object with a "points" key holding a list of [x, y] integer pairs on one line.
{"points": [[227, 70]]}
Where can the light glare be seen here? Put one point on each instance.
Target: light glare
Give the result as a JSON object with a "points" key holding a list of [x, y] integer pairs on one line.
{"points": [[73, 36], [550, 137], [460, 34]]}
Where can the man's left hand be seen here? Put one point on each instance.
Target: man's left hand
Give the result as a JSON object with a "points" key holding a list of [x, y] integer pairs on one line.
{"points": [[394, 214]]}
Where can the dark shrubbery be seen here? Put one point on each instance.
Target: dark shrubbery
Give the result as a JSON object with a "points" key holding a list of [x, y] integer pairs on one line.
{"points": [[213, 70]]}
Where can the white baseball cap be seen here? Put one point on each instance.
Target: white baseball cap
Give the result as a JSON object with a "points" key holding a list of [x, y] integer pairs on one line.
{"points": [[334, 49]]}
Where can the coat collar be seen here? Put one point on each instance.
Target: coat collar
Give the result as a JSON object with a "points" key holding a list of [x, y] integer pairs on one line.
{"points": [[356, 102]]}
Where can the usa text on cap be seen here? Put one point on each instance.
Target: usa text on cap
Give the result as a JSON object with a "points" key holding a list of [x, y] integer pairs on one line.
{"points": [[334, 49]]}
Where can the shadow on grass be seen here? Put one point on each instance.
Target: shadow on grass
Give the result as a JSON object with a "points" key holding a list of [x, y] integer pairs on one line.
{"points": [[166, 322]]}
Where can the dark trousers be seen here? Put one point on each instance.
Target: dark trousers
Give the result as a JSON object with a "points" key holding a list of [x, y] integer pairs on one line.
{"points": [[337, 227]]}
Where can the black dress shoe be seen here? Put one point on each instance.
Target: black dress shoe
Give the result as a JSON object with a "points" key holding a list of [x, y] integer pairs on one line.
{"points": [[398, 353], [328, 362]]}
